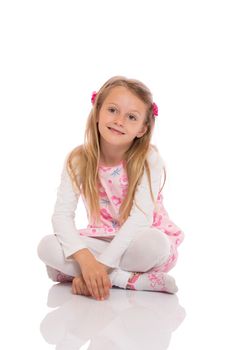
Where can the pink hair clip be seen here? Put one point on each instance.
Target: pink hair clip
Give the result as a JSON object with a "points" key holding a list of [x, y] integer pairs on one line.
{"points": [[155, 109], [93, 97]]}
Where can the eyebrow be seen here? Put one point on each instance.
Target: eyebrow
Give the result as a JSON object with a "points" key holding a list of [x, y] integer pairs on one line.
{"points": [[132, 110]]}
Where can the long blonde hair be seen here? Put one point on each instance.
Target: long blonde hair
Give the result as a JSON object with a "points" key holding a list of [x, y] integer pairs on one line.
{"points": [[82, 162]]}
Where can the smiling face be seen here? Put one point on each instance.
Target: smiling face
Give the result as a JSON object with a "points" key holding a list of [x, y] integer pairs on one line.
{"points": [[124, 112]]}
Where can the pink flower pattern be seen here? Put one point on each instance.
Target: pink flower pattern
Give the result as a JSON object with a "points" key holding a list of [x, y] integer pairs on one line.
{"points": [[113, 188], [105, 214], [62, 278], [102, 192], [157, 280], [123, 181], [116, 200]]}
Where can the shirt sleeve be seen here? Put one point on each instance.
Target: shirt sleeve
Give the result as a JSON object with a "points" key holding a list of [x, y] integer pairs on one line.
{"points": [[137, 220], [64, 214]]}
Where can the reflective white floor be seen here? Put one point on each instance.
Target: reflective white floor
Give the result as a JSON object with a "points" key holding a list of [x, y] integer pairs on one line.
{"points": [[128, 320]]}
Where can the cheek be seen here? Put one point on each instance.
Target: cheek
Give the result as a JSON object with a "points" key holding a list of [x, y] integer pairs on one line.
{"points": [[104, 118], [101, 115]]}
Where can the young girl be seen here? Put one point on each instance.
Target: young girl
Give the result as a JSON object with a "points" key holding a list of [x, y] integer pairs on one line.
{"points": [[130, 242]]}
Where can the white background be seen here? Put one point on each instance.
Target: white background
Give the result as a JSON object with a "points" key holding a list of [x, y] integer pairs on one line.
{"points": [[54, 54]]}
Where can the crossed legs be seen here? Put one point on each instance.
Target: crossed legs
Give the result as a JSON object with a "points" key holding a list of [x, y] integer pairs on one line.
{"points": [[149, 250]]}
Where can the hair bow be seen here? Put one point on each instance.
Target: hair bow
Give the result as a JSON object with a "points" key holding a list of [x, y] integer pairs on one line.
{"points": [[93, 97], [155, 109]]}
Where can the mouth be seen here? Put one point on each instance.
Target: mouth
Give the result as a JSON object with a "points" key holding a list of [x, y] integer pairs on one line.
{"points": [[116, 131]]}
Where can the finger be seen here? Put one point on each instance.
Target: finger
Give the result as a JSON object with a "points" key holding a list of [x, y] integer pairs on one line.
{"points": [[106, 286], [100, 288], [89, 287], [74, 288], [81, 287], [84, 288], [79, 291], [95, 287], [86, 291], [106, 289], [92, 285], [103, 289], [78, 287]]}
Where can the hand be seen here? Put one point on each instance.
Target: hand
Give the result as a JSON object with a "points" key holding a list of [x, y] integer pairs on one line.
{"points": [[95, 275], [97, 279], [79, 286]]}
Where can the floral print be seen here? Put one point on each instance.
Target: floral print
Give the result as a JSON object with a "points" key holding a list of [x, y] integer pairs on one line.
{"points": [[112, 190]]}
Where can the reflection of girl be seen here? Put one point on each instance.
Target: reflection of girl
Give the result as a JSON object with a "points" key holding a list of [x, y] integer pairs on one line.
{"points": [[73, 322], [130, 241]]}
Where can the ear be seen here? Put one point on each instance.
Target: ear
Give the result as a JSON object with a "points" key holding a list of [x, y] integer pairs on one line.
{"points": [[142, 132]]}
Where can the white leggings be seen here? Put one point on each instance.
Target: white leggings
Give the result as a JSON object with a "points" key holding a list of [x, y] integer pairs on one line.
{"points": [[150, 248]]}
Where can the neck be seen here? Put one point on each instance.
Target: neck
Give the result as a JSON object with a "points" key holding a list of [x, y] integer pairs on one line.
{"points": [[111, 155]]}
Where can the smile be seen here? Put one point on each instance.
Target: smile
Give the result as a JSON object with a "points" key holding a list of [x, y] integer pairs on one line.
{"points": [[115, 131]]}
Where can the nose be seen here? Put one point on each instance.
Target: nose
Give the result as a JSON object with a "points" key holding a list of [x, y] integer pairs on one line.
{"points": [[119, 120]]}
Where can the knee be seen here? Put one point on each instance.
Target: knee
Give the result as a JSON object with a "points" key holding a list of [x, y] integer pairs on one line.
{"points": [[44, 246], [150, 248], [160, 244]]}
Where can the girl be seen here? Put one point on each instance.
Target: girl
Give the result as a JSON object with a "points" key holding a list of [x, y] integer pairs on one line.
{"points": [[130, 242]]}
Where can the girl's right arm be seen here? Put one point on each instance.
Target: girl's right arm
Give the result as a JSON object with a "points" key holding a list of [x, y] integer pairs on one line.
{"points": [[94, 273], [64, 214]]}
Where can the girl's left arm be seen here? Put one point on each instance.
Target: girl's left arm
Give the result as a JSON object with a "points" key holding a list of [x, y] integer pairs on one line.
{"points": [[137, 220]]}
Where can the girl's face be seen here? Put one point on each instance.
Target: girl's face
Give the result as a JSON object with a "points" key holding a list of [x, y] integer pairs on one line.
{"points": [[124, 112]]}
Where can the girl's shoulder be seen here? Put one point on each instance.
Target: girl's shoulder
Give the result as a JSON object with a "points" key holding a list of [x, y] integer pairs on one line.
{"points": [[154, 157], [74, 152], [153, 152], [72, 157]]}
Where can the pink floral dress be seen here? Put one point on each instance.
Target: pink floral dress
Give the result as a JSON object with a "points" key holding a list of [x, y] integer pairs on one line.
{"points": [[112, 190]]}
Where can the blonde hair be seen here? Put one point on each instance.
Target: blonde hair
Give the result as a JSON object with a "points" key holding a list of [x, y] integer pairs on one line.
{"points": [[82, 162]]}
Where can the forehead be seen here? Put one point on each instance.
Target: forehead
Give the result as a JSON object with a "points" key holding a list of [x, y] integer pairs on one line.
{"points": [[124, 98]]}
